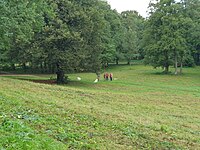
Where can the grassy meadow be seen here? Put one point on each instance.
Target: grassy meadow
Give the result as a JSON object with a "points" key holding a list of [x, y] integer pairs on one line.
{"points": [[140, 109]]}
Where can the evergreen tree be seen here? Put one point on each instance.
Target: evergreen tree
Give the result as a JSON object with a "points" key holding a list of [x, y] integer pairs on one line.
{"points": [[192, 10], [131, 37], [165, 41]]}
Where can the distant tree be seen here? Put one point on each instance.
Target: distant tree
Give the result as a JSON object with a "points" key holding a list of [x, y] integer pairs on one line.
{"points": [[116, 35], [165, 41], [192, 10], [109, 36], [19, 21], [96, 35], [132, 23]]}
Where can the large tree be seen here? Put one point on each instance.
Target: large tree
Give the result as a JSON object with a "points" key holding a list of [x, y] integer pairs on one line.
{"points": [[132, 23], [165, 41], [192, 10], [74, 39], [19, 21]]}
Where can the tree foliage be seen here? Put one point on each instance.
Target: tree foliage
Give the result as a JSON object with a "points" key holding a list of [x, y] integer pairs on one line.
{"points": [[61, 36], [166, 35]]}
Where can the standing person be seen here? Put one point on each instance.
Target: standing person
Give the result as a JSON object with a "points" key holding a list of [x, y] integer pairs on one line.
{"points": [[111, 76], [104, 76], [107, 75]]}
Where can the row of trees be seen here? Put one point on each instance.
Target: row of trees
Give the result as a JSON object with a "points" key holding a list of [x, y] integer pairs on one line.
{"points": [[66, 35], [172, 34], [85, 35]]}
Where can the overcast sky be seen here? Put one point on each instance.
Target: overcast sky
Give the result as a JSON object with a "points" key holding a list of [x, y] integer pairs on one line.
{"points": [[138, 5]]}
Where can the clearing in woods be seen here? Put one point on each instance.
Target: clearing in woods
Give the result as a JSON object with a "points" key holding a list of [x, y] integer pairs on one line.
{"points": [[140, 109]]}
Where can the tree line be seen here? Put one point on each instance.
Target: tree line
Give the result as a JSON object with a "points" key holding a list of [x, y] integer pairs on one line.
{"points": [[59, 36], [172, 34]]}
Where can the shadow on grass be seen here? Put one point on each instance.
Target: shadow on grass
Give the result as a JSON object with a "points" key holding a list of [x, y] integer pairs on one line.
{"points": [[165, 74], [161, 73], [70, 83], [44, 81], [31, 79], [48, 81]]}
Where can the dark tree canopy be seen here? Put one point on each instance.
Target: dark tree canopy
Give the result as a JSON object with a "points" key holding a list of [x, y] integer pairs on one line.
{"points": [[61, 36]]}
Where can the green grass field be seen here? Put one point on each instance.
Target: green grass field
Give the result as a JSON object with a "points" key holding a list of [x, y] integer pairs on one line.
{"points": [[140, 109]]}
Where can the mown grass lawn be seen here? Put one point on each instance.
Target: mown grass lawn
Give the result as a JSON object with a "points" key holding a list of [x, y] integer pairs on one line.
{"points": [[140, 109]]}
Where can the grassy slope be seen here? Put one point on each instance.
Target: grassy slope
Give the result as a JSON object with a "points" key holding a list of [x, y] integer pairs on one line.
{"points": [[141, 109]]}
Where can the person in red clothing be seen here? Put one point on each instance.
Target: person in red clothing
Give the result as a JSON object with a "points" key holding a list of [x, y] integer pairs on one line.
{"points": [[111, 76], [107, 75]]}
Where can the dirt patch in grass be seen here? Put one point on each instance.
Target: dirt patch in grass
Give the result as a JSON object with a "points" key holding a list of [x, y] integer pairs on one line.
{"points": [[30, 77], [44, 81]]}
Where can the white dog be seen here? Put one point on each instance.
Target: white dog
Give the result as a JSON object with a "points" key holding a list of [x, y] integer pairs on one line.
{"points": [[78, 78], [95, 81]]}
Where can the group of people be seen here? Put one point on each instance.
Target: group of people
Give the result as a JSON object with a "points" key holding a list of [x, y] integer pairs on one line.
{"points": [[107, 76]]}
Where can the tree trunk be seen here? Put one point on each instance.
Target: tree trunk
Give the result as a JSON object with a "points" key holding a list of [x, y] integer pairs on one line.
{"points": [[181, 68], [41, 67], [166, 64], [60, 75], [50, 68], [13, 66], [24, 67], [198, 59], [53, 68], [176, 65], [45, 67], [166, 68], [98, 75], [117, 61]]}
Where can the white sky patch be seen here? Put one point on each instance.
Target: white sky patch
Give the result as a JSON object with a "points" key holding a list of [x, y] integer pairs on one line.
{"points": [[123, 5]]}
